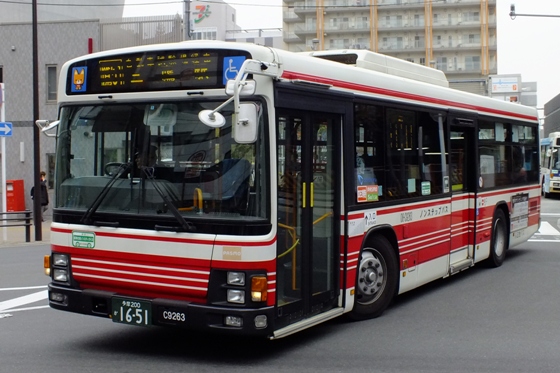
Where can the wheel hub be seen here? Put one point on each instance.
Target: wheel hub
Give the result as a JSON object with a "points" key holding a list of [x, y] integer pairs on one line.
{"points": [[371, 276]]}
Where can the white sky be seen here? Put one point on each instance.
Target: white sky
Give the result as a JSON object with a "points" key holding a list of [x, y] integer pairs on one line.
{"points": [[526, 45]]}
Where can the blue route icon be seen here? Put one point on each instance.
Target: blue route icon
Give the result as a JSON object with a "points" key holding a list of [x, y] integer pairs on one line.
{"points": [[5, 129], [232, 65]]}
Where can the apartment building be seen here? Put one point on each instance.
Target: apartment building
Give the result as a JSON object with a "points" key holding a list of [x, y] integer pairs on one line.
{"points": [[455, 36]]}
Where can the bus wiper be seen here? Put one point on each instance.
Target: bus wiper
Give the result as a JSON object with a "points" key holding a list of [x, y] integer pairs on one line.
{"points": [[86, 219], [186, 225]]}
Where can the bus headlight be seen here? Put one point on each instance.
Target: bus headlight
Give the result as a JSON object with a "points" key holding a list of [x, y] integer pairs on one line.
{"points": [[60, 275], [236, 278], [60, 260], [261, 321], [236, 296], [235, 321]]}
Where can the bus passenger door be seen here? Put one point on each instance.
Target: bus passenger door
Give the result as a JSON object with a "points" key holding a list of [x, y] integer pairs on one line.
{"points": [[463, 176], [308, 238]]}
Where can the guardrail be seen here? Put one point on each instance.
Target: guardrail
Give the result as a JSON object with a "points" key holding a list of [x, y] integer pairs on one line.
{"points": [[8, 217]]}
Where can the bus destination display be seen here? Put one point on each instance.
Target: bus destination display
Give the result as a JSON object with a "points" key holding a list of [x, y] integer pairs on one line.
{"points": [[154, 71]]}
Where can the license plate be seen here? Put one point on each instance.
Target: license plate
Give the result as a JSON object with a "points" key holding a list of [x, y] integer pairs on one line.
{"points": [[131, 311]]}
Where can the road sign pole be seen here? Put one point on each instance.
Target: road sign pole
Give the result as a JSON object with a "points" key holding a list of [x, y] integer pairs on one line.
{"points": [[3, 150]]}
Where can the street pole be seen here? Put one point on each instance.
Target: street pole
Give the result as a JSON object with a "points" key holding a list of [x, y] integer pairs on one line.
{"points": [[186, 19], [514, 15], [37, 214], [3, 150]]}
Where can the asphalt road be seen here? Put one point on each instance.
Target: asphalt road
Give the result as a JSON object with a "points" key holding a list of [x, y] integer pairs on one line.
{"points": [[481, 320]]}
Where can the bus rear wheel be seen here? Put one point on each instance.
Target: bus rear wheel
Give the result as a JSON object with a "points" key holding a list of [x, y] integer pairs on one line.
{"points": [[499, 241], [376, 280]]}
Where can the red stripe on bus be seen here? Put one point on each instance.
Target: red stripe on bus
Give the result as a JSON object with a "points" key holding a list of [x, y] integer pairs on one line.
{"points": [[401, 95]]}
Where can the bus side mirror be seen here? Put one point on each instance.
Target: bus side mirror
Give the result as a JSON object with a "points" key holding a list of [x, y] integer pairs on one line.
{"points": [[245, 131], [45, 126]]}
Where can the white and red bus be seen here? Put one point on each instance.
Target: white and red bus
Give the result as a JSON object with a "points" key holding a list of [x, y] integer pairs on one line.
{"points": [[550, 164], [243, 189]]}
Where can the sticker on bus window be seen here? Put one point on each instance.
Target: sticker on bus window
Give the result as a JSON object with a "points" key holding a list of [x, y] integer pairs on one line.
{"points": [[79, 75], [368, 193], [232, 65], [426, 188]]}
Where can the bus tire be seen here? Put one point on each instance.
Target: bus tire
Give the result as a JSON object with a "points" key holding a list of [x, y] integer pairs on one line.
{"points": [[376, 279], [499, 240]]}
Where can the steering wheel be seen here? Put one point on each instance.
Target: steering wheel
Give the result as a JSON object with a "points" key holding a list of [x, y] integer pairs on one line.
{"points": [[112, 168]]}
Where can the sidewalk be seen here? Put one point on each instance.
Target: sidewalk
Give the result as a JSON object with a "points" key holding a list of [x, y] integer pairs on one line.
{"points": [[15, 236]]}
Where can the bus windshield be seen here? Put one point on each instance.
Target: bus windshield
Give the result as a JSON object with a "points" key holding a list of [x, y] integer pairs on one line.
{"points": [[158, 162]]}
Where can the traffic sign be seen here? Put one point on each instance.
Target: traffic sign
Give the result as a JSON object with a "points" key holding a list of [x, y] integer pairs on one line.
{"points": [[6, 129]]}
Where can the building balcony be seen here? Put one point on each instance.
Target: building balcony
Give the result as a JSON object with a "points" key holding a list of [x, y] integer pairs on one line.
{"points": [[290, 37], [391, 49], [400, 5], [348, 28], [456, 26], [302, 32], [460, 3], [384, 27], [303, 11], [459, 26], [291, 17]]}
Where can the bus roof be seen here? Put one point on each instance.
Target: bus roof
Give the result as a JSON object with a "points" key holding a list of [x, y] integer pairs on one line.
{"points": [[384, 64]]}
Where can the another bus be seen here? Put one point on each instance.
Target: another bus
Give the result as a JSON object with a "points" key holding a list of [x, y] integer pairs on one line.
{"points": [[550, 164], [248, 190]]}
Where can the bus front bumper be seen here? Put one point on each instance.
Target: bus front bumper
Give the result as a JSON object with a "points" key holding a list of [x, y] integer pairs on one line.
{"points": [[165, 312]]}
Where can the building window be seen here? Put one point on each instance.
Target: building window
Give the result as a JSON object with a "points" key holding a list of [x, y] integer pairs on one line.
{"points": [[471, 39], [51, 83], [207, 33], [472, 62], [471, 17], [441, 63]]}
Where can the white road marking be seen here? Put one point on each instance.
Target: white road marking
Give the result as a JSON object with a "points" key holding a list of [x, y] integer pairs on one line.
{"points": [[21, 301], [547, 229], [28, 308], [25, 288]]}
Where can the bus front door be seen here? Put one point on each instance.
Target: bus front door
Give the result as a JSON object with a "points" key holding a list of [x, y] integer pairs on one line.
{"points": [[463, 197], [308, 222]]}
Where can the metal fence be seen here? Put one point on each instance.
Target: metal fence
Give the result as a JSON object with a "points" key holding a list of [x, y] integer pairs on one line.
{"points": [[134, 31]]}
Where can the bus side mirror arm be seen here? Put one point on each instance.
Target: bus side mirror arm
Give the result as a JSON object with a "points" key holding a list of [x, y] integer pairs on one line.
{"points": [[236, 88], [45, 126]]}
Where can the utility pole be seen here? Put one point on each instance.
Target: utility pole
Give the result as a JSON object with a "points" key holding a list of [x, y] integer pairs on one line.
{"points": [[187, 19], [37, 214]]}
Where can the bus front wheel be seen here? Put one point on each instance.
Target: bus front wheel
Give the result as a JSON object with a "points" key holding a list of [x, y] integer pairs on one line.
{"points": [[376, 280]]}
